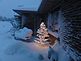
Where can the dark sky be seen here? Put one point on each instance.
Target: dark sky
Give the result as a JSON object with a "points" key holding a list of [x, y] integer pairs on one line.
{"points": [[6, 6]]}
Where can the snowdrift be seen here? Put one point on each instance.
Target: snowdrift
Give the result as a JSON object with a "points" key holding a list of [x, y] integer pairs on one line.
{"points": [[5, 26], [24, 33]]}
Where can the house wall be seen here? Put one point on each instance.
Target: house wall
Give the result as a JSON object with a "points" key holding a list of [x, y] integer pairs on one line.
{"points": [[69, 27], [52, 25], [24, 20], [52, 22]]}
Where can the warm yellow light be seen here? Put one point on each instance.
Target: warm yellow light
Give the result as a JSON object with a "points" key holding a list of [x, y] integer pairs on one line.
{"points": [[41, 46]]}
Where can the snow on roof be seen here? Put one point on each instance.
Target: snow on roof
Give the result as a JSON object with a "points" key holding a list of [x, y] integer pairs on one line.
{"points": [[26, 9]]}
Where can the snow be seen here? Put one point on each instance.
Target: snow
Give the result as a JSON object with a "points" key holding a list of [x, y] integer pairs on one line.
{"points": [[15, 50], [5, 26], [62, 54], [24, 33], [8, 5], [52, 54]]}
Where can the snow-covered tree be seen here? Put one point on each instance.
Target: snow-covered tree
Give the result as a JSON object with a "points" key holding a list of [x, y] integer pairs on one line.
{"points": [[42, 35]]}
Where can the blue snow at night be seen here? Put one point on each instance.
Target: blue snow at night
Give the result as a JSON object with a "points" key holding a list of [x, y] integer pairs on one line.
{"points": [[40, 30]]}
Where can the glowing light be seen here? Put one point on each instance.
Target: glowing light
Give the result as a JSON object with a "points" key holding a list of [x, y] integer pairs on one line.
{"points": [[41, 46], [42, 35]]}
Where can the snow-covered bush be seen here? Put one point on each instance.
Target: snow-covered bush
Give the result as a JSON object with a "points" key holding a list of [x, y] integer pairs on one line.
{"points": [[7, 23], [5, 19], [14, 23], [24, 33]]}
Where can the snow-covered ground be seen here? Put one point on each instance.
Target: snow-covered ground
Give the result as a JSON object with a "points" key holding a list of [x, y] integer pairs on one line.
{"points": [[15, 50], [61, 53], [4, 27]]}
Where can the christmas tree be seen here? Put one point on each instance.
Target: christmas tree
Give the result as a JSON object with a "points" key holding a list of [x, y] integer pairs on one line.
{"points": [[42, 35]]}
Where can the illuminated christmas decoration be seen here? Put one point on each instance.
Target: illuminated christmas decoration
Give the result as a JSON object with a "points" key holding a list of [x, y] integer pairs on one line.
{"points": [[42, 35]]}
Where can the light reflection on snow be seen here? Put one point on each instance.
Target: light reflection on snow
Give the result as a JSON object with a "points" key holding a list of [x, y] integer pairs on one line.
{"points": [[41, 46]]}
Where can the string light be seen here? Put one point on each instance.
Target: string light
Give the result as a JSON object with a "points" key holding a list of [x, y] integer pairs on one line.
{"points": [[42, 35]]}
